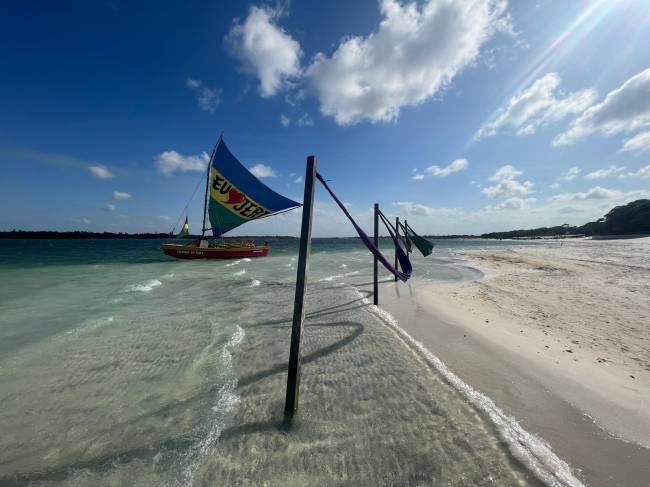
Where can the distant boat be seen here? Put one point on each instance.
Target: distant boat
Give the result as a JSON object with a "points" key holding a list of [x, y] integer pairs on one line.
{"points": [[233, 196]]}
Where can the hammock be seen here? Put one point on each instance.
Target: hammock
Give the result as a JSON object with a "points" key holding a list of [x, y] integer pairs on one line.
{"points": [[422, 244], [403, 259], [404, 238]]}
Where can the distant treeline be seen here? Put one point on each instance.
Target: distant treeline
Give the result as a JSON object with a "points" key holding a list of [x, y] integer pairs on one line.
{"points": [[630, 219], [109, 235]]}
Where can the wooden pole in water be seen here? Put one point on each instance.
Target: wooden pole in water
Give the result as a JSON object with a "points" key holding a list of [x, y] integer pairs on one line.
{"points": [[293, 375], [375, 270], [397, 233]]}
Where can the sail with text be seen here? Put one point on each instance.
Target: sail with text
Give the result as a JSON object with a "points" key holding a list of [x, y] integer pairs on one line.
{"points": [[236, 196]]}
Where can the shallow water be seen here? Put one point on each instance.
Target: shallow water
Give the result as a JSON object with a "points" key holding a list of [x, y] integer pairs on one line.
{"points": [[121, 366]]}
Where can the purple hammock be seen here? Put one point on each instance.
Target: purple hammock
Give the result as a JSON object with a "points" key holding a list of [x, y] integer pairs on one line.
{"points": [[403, 259]]}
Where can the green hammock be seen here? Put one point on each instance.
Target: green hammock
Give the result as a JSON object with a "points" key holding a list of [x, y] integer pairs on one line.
{"points": [[422, 244]]}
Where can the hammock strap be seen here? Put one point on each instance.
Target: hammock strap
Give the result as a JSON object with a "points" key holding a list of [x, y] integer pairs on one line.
{"points": [[402, 276], [402, 257]]}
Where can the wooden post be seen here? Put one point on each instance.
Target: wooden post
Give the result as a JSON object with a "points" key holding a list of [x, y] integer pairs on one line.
{"points": [[375, 270], [406, 224], [397, 232], [293, 374]]}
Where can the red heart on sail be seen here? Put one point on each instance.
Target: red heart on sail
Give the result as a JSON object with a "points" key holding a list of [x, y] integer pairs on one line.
{"points": [[235, 197]]}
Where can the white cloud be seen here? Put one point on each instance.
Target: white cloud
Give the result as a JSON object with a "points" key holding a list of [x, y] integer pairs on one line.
{"points": [[101, 172], [624, 109], [418, 177], [298, 180], [508, 187], [262, 171], [540, 104], [120, 196], [605, 172], [284, 120], [265, 49], [596, 193], [443, 172], [506, 172], [555, 185], [110, 207], [639, 143], [305, 121], [208, 99], [165, 218], [516, 203], [643, 173], [417, 209], [570, 174], [507, 184], [415, 52], [171, 161]]}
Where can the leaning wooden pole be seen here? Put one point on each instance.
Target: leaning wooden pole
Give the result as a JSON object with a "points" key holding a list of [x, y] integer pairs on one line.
{"points": [[375, 261], [293, 375], [406, 236], [397, 234]]}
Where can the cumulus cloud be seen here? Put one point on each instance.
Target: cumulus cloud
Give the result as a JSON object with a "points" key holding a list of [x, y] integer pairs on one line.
{"points": [[417, 209], [596, 193], [171, 161], [605, 172], [120, 196], [110, 207], [540, 104], [625, 109], [570, 174], [263, 171], [418, 177], [101, 172], [443, 172], [284, 120], [265, 49], [414, 53], [643, 173], [639, 143], [305, 121], [208, 99], [516, 203], [507, 184]]}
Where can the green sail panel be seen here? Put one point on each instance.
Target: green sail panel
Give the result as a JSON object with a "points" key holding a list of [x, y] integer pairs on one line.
{"points": [[236, 196]]}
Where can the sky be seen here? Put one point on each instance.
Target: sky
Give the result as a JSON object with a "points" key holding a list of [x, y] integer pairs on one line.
{"points": [[462, 116]]}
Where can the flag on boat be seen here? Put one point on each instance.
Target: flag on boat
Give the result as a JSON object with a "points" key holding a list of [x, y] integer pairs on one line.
{"points": [[236, 196], [185, 230]]}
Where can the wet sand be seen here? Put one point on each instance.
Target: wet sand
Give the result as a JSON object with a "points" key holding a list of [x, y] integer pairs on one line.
{"points": [[557, 336]]}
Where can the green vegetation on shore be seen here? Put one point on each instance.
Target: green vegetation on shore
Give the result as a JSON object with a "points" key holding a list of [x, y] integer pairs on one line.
{"points": [[630, 219]]}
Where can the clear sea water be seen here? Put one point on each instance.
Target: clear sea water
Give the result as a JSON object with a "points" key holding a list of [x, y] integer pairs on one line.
{"points": [[121, 366]]}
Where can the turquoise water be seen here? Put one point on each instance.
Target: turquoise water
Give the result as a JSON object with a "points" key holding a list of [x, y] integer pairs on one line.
{"points": [[120, 366]]}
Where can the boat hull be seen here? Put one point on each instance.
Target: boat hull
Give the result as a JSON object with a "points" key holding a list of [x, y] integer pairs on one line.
{"points": [[195, 252]]}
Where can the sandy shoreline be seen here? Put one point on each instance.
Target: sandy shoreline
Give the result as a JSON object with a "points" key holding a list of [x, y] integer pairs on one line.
{"points": [[557, 336]]}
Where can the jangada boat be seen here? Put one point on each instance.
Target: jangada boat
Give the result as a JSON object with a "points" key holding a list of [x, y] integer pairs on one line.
{"points": [[233, 196]]}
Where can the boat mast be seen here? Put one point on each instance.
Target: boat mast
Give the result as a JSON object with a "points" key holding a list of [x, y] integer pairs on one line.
{"points": [[207, 186]]}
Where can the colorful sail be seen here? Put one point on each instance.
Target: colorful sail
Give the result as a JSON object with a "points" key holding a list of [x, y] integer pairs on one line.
{"points": [[236, 196], [185, 230]]}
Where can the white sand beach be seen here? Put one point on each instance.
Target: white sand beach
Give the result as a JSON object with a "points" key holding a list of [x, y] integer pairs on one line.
{"points": [[559, 336]]}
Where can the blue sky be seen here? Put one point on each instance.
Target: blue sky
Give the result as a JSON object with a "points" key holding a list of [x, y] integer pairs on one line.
{"points": [[463, 116]]}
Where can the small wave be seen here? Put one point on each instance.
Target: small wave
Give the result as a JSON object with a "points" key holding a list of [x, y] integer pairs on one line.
{"points": [[143, 288], [344, 266], [255, 283], [246, 259], [239, 273], [337, 276], [532, 451], [233, 263]]}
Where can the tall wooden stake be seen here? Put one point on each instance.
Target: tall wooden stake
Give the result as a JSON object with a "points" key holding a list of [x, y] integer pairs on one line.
{"points": [[397, 231], [375, 261], [293, 375], [406, 236]]}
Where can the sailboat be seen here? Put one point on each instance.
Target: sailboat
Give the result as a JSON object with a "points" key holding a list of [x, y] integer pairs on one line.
{"points": [[233, 196]]}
